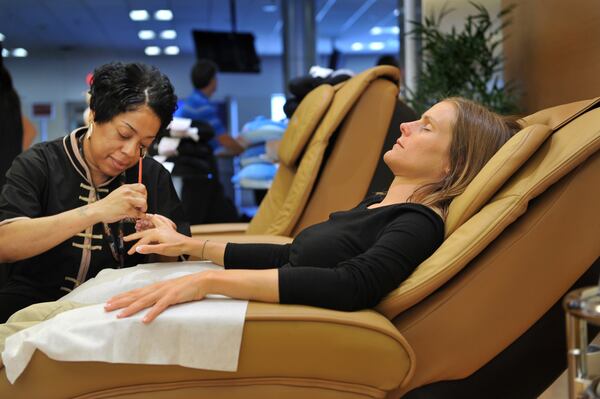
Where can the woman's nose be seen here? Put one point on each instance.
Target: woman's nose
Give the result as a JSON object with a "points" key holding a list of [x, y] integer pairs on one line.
{"points": [[404, 129], [132, 149]]}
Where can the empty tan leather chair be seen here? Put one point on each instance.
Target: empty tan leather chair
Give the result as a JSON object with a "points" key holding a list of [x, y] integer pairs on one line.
{"points": [[522, 233], [328, 155]]}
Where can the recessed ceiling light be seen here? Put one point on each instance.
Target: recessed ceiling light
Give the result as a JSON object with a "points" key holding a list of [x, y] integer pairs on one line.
{"points": [[19, 52], [376, 45], [357, 46], [139, 15], [396, 12], [171, 50], [152, 50], [5, 53], [168, 34], [2, 37], [269, 8], [384, 30], [163, 15], [146, 34]]}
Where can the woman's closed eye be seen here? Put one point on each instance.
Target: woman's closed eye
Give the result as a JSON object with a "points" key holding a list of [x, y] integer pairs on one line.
{"points": [[122, 135]]}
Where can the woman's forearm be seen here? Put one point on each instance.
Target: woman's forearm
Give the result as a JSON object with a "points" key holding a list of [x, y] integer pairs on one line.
{"points": [[205, 250], [25, 238], [256, 285]]}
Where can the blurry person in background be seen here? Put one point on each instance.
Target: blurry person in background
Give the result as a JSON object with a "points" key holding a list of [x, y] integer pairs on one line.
{"points": [[202, 194], [388, 60], [16, 131], [198, 106]]}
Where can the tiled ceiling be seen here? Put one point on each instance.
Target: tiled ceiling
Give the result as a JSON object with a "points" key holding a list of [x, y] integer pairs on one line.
{"points": [[47, 25]]}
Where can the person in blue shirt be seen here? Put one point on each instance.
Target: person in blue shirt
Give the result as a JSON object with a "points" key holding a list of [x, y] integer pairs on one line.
{"points": [[198, 107], [202, 194]]}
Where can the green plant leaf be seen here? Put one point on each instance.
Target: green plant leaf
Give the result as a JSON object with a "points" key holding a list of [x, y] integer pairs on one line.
{"points": [[464, 62]]}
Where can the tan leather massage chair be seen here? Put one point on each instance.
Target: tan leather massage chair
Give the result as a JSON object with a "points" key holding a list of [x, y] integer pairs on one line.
{"points": [[328, 155], [524, 231]]}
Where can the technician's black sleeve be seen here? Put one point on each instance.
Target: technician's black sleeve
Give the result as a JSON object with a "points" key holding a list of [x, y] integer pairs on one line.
{"points": [[23, 193]]}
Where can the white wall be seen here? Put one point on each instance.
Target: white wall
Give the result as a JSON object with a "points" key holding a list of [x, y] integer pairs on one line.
{"points": [[59, 77]]}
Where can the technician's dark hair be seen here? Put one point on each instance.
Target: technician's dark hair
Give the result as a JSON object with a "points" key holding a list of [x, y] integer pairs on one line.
{"points": [[118, 88], [203, 72]]}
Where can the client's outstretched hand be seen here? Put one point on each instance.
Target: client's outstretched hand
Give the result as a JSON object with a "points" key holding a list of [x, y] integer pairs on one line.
{"points": [[158, 296], [162, 239]]}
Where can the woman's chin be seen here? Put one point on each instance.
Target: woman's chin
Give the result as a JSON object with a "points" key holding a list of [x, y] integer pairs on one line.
{"points": [[115, 168], [386, 157], [111, 171]]}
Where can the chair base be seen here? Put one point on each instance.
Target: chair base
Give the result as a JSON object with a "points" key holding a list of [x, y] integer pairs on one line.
{"points": [[524, 369]]}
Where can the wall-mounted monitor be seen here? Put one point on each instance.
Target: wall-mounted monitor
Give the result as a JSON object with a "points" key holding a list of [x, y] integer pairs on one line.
{"points": [[232, 52]]}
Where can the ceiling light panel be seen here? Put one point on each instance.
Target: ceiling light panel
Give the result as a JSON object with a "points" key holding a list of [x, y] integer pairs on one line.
{"points": [[357, 46], [152, 50], [376, 46], [163, 15], [171, 50], [139, 15], [146, 34], [168, 34], [19, 52]]}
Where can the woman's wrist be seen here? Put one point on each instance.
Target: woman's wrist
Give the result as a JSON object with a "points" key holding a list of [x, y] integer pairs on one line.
{"points": [[204, 281], [193, 247], [90, 213]]}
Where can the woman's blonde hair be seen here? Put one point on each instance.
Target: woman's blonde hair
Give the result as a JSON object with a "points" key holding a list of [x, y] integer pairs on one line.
{"points": [[477, 134]]}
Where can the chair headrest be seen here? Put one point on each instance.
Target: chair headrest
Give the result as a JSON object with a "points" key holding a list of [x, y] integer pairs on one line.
{"points": [[313, 107], [509, 158], [304, 122], [557, 117], [495, 173], [573, 140]]}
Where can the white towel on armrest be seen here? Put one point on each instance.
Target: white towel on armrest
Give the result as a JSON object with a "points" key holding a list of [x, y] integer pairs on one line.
{"points": [[204, 334]]}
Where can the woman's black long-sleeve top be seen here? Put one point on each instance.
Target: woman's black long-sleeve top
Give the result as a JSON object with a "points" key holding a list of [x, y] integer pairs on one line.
{"points": [[350, 261]]}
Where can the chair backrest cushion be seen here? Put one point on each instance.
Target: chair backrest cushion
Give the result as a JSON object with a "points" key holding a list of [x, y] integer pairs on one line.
{"points": [[292, 185], [303, 123]]}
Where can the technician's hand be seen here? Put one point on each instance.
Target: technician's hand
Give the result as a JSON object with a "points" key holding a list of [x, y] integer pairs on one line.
{"points": [[158, 296], [165, 239], [127, 201], [145, 222]]}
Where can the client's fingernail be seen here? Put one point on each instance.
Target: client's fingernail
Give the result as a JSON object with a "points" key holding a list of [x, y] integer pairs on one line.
{"points": [[138, 249]]}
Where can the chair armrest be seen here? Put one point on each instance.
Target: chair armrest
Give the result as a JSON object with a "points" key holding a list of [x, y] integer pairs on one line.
{"points": [[218, 228], [287, 351]]}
